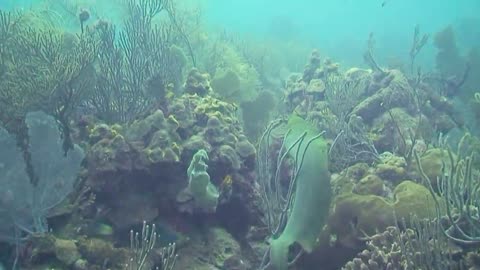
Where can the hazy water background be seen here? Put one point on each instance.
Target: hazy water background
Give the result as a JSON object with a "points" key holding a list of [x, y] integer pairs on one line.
{"points": [[339, 28]]}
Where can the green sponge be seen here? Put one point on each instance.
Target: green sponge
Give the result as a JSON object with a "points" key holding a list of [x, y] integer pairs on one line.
{"points": [[312, 195], [203, 193]]}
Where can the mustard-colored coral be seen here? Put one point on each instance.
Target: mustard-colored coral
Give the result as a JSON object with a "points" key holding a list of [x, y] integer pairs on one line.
{"points": [[354, 213], [432, 162]]}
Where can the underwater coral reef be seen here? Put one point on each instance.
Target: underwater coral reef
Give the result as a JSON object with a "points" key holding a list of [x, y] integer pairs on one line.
{"points": [[153, 141]]}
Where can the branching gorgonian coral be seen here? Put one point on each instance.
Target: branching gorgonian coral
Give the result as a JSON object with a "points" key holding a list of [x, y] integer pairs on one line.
{"points": [[140, 56]]}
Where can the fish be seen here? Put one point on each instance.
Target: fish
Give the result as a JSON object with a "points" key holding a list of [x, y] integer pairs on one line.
{"points": [[384, 3], [98, 229]]}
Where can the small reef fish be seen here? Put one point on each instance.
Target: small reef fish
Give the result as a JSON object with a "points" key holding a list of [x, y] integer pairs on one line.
{"points": [[99, 229], [226, 187], [227, 181]]}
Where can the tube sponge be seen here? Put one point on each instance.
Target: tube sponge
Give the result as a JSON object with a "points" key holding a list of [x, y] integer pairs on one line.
{"points": [[200, 190]]}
